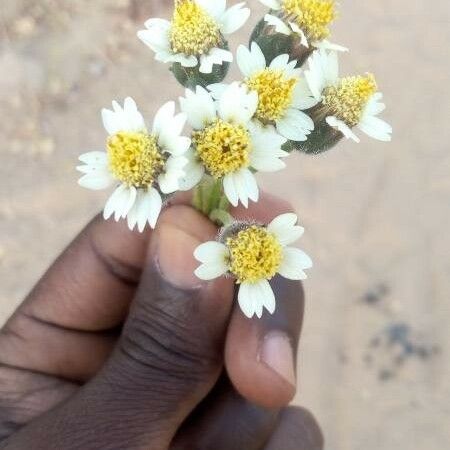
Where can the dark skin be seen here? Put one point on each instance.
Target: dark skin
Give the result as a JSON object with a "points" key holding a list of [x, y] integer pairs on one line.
{"points": [[120, 346]]}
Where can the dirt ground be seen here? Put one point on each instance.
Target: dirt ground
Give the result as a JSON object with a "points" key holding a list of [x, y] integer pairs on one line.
{"points": [[374, 356]]}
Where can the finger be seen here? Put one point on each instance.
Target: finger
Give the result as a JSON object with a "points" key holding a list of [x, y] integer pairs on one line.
{"points": [[226, 421], [263, 370], [297, 430], [168, 357], [89, 288]]}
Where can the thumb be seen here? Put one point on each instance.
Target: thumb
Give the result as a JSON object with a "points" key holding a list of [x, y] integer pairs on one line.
{"points": [[168, 358]]}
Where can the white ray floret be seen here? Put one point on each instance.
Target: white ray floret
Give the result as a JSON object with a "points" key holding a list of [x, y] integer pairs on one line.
{"points": [[141, 163], [253, 256], [195, 36], [227, 144]]}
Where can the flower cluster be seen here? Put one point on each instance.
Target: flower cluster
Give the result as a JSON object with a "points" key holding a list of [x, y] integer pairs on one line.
{"points": [[289, 97]]}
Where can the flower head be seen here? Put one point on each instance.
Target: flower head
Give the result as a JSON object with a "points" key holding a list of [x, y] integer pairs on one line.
{"points": [[282, 92], [195, 34], [346, 102], [308, 19], [227, 144], [140, 162], [254, 254]]}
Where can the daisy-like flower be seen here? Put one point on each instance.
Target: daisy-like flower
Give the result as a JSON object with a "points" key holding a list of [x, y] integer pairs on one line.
{"points": [[196, 33], [227, 145], [346, 102], [253, 255], [308, 19], [140, 162], [282, 92]]}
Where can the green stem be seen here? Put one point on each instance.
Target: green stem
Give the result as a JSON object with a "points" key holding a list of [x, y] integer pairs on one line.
{"points": [[210, 200]]}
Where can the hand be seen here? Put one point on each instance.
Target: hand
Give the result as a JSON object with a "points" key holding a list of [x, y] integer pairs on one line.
{"points": [[120, 346]]}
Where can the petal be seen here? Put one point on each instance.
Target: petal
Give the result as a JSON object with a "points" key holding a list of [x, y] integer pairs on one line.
{"points": [[217, 89], [285, 228], [234, 18], [171, 130], [96, 157], [237, 104], [165, 114], [278, 24], [96, 181], [211, 252], [376, 128], [246, 300], [272, 4], [156, 38], [211, 271], [342, 127], [120, 202], [296, 29], [302, 97], [199, 107], [295, 125], [193, 172], [153, 206], [250, 61], [230, 189], [327, 45], [252, 297], [215, 56], [293, 264], [251, 185], [214, 8]]}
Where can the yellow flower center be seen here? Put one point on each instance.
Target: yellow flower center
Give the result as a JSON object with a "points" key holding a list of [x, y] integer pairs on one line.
{"points": [[275, 93], [255, 254], [134, 158], [193, 30], [312, 16], [348, 99], [223, 147]]}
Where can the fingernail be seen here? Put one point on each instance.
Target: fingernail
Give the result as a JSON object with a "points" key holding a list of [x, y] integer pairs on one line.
{"points": [[173, 247], [277, 353]]}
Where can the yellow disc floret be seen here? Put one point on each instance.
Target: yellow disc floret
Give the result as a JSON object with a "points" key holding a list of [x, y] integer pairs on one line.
{"points": [[193, 30], [312, 16], [255, 254], [275, 93], [134, 158], [223, 147], [347, 99]]}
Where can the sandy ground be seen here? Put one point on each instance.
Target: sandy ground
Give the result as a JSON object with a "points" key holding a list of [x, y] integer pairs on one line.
{"points": [[374, 356]]}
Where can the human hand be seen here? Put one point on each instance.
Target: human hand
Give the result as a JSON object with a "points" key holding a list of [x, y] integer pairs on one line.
{"points": [[120, 346]]}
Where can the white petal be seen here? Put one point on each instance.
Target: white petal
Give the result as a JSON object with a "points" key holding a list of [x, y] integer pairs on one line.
{"points": [[193, 172], [135, 120], [246, 300], [156, 38], [251, 185], [272, 4], [234, 18], [154, 202], [295, 125], [327, 45], [211, 252], [302, 97], [96, 181], [217, 89], [252, 297], [294, 263], [215, 56], [120, 202], [245, 186], [285, 228], [237, 104], [280, 26], [214, 8], [211, 271], [199, 107], [296, 29], [281, 62], [127, 118], [165, 114], [250, 61], [157, 23], [343, 128], [376, 128], [230, 189], [97, 158], [171, 130]]}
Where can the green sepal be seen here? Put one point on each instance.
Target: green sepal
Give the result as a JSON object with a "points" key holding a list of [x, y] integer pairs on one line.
{"points": [[322, 139], [273, 44]]}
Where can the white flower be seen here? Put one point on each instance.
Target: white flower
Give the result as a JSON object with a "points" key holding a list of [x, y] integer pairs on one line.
{"points": [[227, 144], [196, 33], [139, 162], [351, 101], [254, 255], [307, 19], [282, 92]]}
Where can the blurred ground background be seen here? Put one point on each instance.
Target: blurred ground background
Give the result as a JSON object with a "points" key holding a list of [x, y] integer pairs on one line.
{"points": [[374, 357]]}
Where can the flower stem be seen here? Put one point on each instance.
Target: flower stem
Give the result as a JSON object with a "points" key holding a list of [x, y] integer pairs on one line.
{"points": [[209, 199]]}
